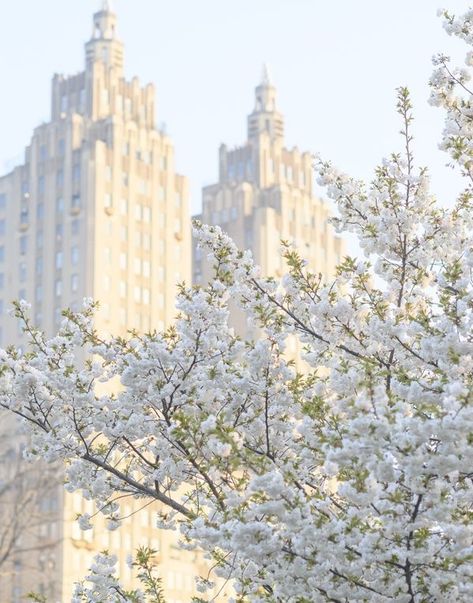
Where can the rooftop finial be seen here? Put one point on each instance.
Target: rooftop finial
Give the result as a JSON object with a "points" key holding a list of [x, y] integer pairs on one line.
{"points": [[265, 76], [107, 6]]}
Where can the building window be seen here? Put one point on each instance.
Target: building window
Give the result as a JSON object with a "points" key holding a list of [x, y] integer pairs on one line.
{"points": [[59, 178], [124, 207], [147, 214], [146, 297], [123, 261], [108, 173], [39, 239], [3, 201], [60, 205], [74, 255], [39, 266], [59, 261], [23, 244], [24, 216], [162, 194], [248, 237], [138, 212], [41, 185], [40, 211], [58, 288], [105, 93], [106, 311], [74, 283], [22, 272], [59, 232], [107, 200], [82, 100], [107, 252], [43, 152], [146, 269], [137, 294], [39, 293], [143, 187], [122, 289], [137, 266], [63, 103], [123, 233], [2, 227], [2, 280], [75, 203], [75, 227], [2, 253], [76, 172], [61, 147]]}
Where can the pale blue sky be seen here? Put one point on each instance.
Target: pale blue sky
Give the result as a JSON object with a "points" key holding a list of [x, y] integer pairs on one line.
{"points": [[335, 63]]}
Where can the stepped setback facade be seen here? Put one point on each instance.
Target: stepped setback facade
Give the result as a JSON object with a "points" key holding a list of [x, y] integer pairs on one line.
{"points": [[265, 195]]}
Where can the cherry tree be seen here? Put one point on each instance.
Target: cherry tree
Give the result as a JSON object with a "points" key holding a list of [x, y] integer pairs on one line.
{"points": [[350, 482]]}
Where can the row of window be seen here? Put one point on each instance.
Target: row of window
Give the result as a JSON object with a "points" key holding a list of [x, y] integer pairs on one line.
{"points": [[76, 172], [60, 150], [142, 212], [23, 239], [144, 156], [239, 170], [224, 215], [142, 241], [58, 288]]}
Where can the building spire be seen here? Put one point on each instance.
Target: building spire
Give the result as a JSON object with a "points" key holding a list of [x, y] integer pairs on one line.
{"points": [[107, 6], [265, 117], [104, 45], [265, 76]]}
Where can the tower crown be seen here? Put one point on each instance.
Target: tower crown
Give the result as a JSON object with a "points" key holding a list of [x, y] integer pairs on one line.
{"points": [[104, 45], [265, 117]]}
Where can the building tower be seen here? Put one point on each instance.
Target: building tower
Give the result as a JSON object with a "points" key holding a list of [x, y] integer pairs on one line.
{"points": [[265, 195], [96, 210]]}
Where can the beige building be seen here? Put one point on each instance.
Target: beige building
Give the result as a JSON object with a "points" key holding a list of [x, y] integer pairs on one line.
{"points": [[96, 210], [265, 195]]}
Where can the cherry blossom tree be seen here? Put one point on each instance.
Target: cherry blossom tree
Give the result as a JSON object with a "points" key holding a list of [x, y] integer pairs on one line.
{"points": [[350, 482]]}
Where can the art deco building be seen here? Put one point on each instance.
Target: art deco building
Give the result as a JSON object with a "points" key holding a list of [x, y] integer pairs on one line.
{"points": [[96, 210], [265, 195]]}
